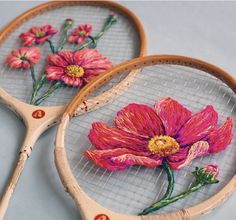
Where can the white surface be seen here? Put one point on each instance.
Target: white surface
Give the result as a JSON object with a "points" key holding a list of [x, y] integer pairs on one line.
{"points": [[204, 30]]}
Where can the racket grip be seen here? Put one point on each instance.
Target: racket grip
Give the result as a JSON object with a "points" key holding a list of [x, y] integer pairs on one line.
{"points": [[12, 184]]}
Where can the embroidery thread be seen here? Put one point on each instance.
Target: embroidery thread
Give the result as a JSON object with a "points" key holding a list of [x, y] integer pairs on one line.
{"points": [[168, 136]]}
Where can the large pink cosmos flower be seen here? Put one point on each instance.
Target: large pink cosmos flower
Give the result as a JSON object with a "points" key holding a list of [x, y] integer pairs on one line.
{"points": [[80, 34], [147, 136], [23, 57], [75, 68], [37, 35]]}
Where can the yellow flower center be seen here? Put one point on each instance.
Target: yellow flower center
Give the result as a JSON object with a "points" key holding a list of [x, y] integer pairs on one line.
{"points": [[74, 70], [163, 145], [81, 33], [41, 34]]}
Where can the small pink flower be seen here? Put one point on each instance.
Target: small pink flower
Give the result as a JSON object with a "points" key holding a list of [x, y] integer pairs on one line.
{"points": [[147, 136], [80, 34], [212, 170], [23, 57], [37, 35], [75, 68]]}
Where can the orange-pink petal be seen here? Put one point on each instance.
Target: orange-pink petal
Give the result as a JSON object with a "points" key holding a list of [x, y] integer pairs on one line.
{"points": [[140, 120], [33, 55], [121, 158], [103, 136], [67, 55], [56, 60], [72, 81], [54, 72], [172, 114], [198, 126], [186, 155], [221, 137]]}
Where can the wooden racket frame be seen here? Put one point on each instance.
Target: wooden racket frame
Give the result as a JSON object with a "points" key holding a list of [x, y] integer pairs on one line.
{"points": [[91, 210], [36, 126]]}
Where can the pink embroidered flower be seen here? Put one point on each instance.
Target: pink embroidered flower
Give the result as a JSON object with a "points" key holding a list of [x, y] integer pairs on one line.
{"points": [[37, 35], [80, 34], [147, 136], [75, 68], [23, 57]]}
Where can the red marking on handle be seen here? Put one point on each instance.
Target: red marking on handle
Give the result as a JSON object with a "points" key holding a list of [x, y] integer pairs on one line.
{"points": [[101, 217], [39, 113]]}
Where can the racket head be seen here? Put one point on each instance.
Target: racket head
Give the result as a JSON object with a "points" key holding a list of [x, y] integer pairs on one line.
{"points": [[127, 32], [191, 82]]}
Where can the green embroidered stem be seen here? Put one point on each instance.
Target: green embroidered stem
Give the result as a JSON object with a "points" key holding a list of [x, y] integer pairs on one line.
{"points": [[51, 89], [37, 86], [171, 180], [67, 25], [156, 206], [33, 74], [51, 46], [93, 40], [63, 42]]}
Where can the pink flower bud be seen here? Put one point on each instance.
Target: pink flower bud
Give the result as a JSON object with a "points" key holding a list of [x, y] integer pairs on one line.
{"points": [[212, 169]]}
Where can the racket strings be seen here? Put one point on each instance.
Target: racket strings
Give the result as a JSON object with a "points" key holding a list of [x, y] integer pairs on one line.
{"points": [[120, 43], [134, 189]]}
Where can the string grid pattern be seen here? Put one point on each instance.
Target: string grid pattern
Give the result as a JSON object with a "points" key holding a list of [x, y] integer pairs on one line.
{"points": [[121, 42], [134, 189]]}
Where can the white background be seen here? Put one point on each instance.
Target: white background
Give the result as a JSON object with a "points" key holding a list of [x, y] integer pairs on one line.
{"points": [[204, 30]]}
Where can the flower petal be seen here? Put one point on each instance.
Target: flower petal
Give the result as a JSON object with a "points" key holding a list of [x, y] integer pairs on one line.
{"points": [[186, 155], [72, 81], [49, 29], [54, 72], [220, 138], [72, 39], [130, 160], [172, 114], [67, 55], [102, 158], [91, 59], [56, 60], [104, 137], [28, 39], [14, 62], [198, 126], [120, 158], [33, 55], [140, 120]]}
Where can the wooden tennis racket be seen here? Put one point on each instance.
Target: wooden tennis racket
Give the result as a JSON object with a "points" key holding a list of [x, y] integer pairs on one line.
{"points": [[124, 40], [101, 194]]}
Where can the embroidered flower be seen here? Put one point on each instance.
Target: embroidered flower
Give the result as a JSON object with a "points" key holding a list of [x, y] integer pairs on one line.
{"points": [[37, 35], [147, 136], [75, 68], [23, 57], [80, 34]]}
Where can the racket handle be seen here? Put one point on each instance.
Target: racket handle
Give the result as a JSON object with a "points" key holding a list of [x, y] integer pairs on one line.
{"points": [[32, 134], [12, 184]]}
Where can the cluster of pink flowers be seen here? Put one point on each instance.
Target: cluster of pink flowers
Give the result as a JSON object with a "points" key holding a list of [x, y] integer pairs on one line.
{"points": [[74, 68], [25, 57], [146, 136]]}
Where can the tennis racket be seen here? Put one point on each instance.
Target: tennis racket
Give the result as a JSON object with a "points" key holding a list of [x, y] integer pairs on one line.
{"points": [[103, 194], [124, 40]]}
